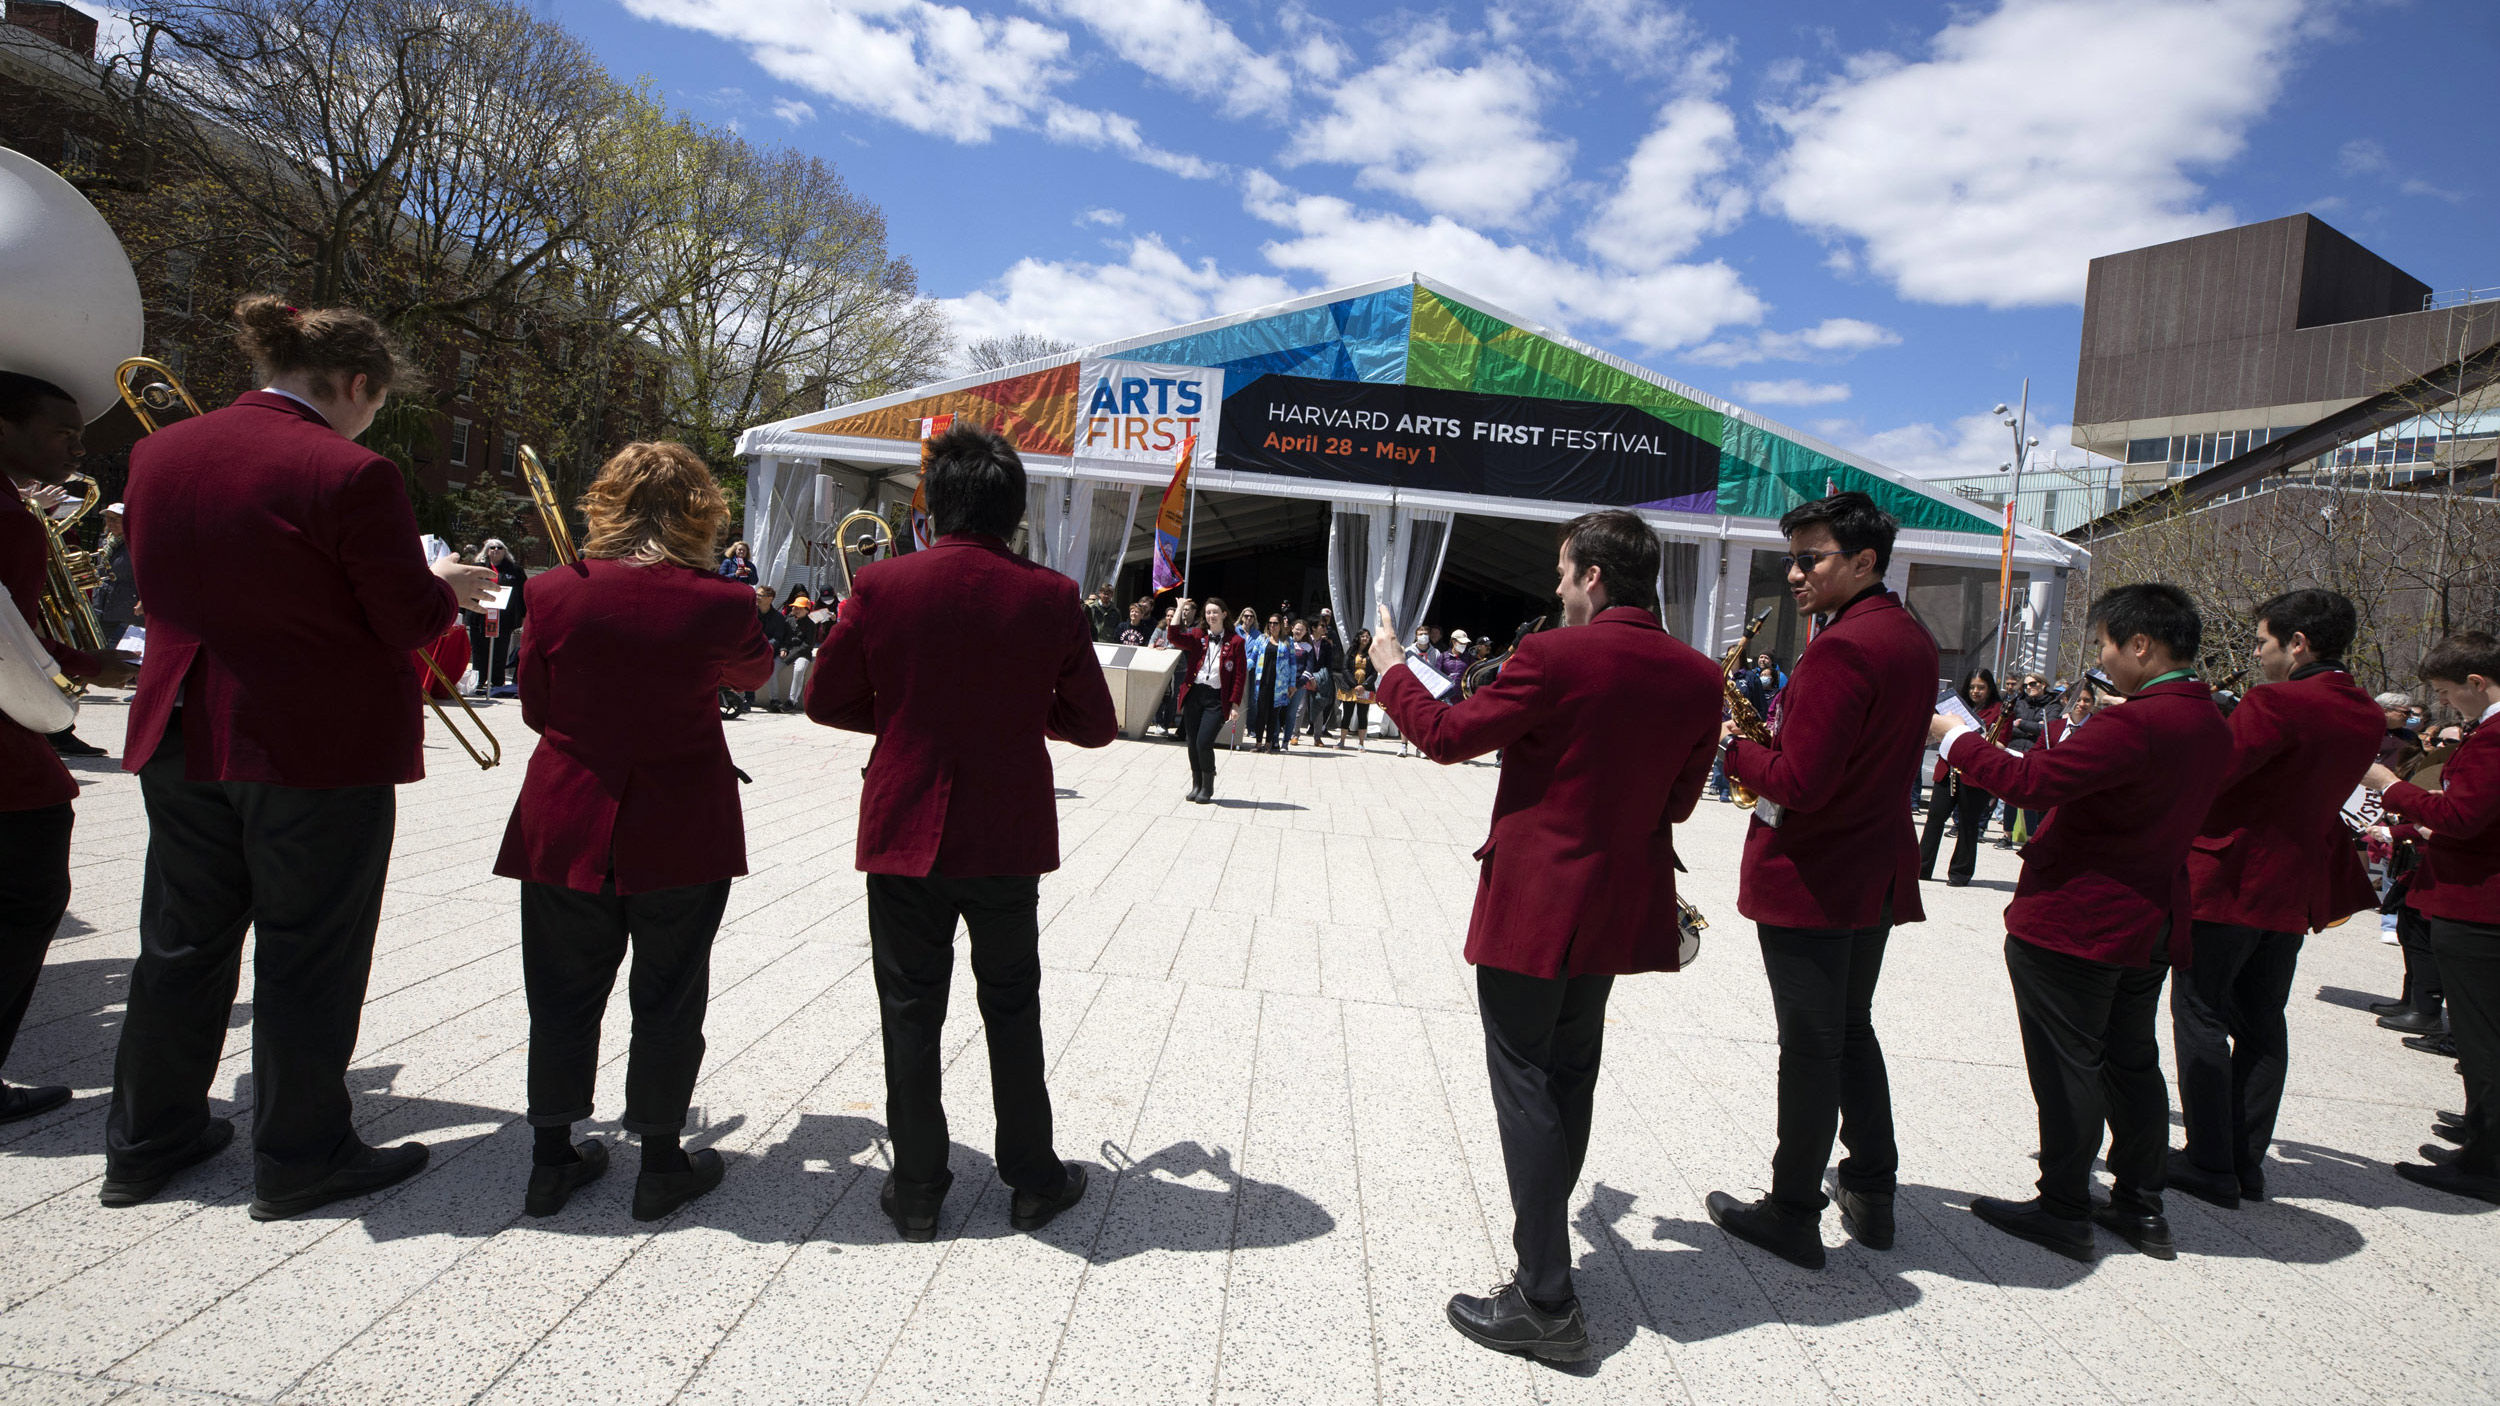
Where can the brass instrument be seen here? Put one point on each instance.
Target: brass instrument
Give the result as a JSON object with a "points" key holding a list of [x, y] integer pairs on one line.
{"points": [[1740, 710], [69, 577], [148, 401], [876, 539], [550, 512], [1482, 672], [1688, 925]]}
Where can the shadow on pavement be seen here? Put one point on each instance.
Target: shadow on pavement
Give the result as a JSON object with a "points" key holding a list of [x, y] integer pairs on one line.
{"points": [[2348, 998]]}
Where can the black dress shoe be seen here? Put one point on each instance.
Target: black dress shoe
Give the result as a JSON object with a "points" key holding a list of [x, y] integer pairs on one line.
{"points": [[1794, 1237], [1031, 1211], [1866, 1215], [2394, 1007], [2437, 1155], [2137, 1224], [2443, 1044], [2449, 1132], [130, 1191], [68, 743], [2220, 1188], [551, 1187], [2030, 1220], [1506, 1321], [657, 1194], [368, 1171], [2411, 1021], [2453, 1180], [2252, 1185], [26, 1100], [2442, 1115], [918, 1226], [1957, 883]]}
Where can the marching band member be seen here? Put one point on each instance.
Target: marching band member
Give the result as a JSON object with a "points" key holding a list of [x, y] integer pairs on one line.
{"points": [[957, 820], [1825, 885], [269, 804], [1952, 794], [2100, 913], [2457, 888], [2267, 867], [1214, 664], [628, 828], [1606, 734], [40, 443]]}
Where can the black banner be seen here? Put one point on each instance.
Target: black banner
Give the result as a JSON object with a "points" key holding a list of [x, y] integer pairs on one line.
{"points": [[1571, 451]]}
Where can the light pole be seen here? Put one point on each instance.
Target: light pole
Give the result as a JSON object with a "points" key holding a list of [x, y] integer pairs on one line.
{"points": [[2020, 423]]}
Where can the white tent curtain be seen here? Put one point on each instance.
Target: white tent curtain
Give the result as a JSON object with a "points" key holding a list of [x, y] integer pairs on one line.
{"points": [[1112, 519], [1411, 571], [1041, 500], [781, 502], [1358, 536]]}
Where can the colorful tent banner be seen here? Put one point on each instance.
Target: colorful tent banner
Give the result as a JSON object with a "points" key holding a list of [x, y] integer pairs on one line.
{"points": [[1172, 520], [1141, 412], [1032, 410]]}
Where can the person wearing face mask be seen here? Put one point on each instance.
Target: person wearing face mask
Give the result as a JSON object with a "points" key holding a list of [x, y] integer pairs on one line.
{"points": [[270, 805], [491, 632], [1606, 729]]}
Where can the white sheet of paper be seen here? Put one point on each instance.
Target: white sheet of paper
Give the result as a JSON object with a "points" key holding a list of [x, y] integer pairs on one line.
{"points": [[2364, 808], [1952, 706], [1430, 677], [498, 599]]}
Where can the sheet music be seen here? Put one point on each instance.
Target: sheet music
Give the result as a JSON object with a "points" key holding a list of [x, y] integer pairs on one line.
{"points": [[1952, 706], [499, 598]]}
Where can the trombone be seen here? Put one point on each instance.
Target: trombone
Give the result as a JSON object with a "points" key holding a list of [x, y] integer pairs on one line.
{"points": [[559, 542], [876, 540], [149, 401], [550, 512]]}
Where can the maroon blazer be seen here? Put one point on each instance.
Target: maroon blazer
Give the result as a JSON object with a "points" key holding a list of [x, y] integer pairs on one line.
{"points": [[621, 671], [286, 596], [2126, 793], [1192, 643], [31, 774], [1606, 733], [2459, 876], [962, 658], [2273, 854], [1853, 724]]}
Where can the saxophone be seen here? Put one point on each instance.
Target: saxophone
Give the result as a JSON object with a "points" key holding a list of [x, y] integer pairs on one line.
{"points": [[1749, 724]]}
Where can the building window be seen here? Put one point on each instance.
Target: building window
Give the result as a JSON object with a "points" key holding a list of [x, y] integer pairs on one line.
{"points": [[460, 441], [511, 452], [78, 155], [467, 381], [2148, 451]]}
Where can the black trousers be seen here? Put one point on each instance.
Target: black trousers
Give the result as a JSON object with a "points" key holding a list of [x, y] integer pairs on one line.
{"points": [[1832, 1076], [1542, 1038], [2088, 1042], [1202, 720], [911, 933], [303, 869], [2469, 962], [2226, 1023], [571, 946], [1353, 717], [489, 657], [1970, 806], [34, 893], [2424, 990]]}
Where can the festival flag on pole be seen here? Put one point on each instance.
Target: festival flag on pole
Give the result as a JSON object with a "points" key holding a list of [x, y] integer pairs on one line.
{"points": [[1169, 521], [921, 534]]}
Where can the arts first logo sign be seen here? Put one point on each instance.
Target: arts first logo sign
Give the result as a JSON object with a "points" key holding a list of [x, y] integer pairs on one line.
{"points": [[1138, 412]]}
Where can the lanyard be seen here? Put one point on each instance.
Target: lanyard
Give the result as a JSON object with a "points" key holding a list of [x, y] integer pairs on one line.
{"points": [[2165, 678]]}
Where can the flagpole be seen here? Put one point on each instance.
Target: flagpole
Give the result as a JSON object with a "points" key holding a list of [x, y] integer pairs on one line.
{"points": [[1189, 531]]}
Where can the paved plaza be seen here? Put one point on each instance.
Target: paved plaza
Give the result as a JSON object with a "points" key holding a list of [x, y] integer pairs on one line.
{"points": [[1263, 1039]]}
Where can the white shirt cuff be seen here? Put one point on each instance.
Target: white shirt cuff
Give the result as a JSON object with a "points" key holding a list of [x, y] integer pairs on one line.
{"points": [[1431, 678], [1944, 749]]}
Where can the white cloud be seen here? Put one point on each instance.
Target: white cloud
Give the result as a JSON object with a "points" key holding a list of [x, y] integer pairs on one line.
{"points": [[1790, 392], [1084, 126], [1108, 219], [792, 111], [1182, 44], [1638, 37], [1464, 142], [1976, 176], [1670, 306], [1971, 444], [1675, 188], [1089, 303], [2356, 158], [1832, 339]]}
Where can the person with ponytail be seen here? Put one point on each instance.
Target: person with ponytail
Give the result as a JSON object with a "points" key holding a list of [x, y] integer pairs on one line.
{"points": [[628, 829], [266, 541]]}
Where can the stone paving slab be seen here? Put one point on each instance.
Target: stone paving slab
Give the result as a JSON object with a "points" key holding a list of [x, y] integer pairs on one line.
{"points": [[1263, 1040]]}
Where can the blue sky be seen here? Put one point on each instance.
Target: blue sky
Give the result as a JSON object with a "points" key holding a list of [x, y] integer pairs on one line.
{"points": [[1869, 221]]}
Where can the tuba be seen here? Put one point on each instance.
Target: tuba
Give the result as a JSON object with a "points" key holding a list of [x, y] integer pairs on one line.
{"points": [[69, 313]]}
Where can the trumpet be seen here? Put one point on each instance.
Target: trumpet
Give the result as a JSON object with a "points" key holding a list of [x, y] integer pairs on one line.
{"points": [[550, 512], [154, 398], [876, 539], [1740, 710]]}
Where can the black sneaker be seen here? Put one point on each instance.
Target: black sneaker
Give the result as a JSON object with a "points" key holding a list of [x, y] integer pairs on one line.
{"points": [[2453, 1180], [551, 1187], [2033, 1221], [130, 1191], [1029, 1211], [368, 1171], [1787, 1233], [1505, 1321], [2443, 1044], [27, 1100]]}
